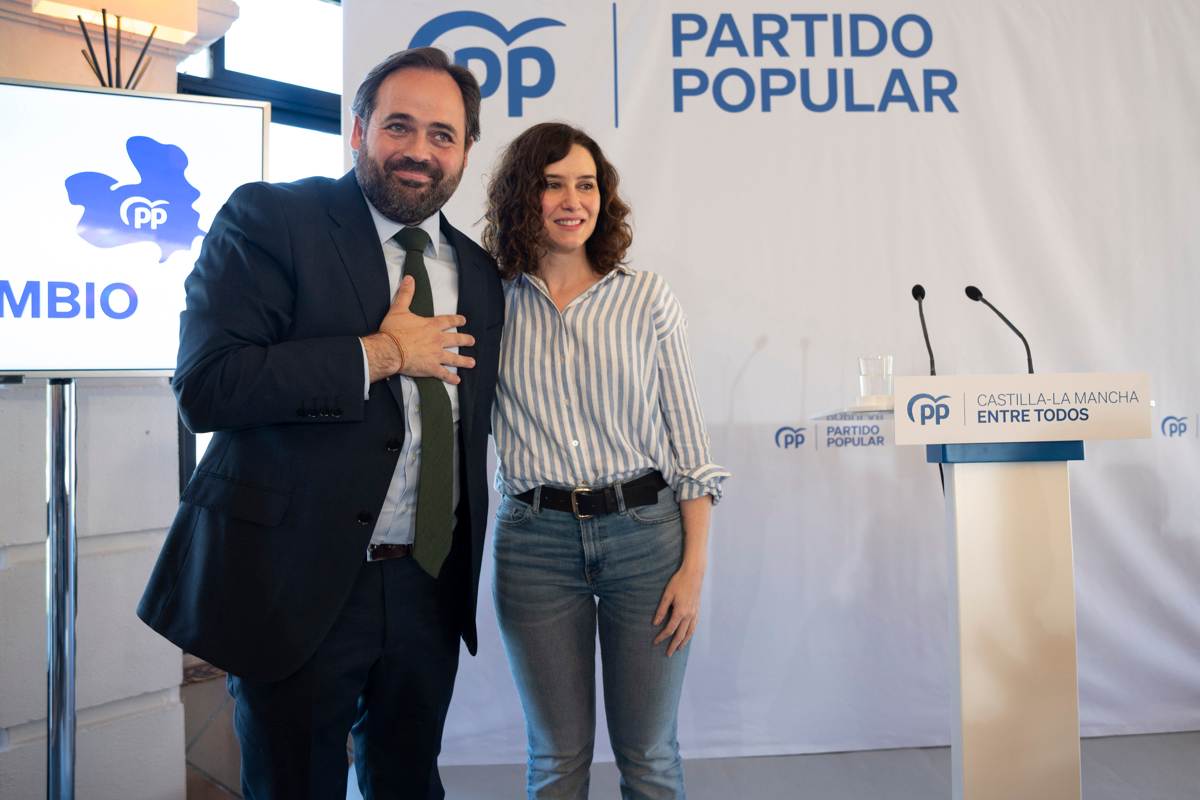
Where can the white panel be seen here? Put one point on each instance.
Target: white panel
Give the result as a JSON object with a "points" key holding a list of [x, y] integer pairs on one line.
{"points": [[1017, 732], [138, 756], [117, 656], [128, 456], [23, 639], [23, 465]]}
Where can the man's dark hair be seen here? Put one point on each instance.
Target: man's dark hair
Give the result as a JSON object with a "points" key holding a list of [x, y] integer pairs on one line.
{"points": [[429, 58]]}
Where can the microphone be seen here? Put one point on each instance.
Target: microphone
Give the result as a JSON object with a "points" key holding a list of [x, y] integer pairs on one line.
{"points": [[918, 293], [974, 294]]}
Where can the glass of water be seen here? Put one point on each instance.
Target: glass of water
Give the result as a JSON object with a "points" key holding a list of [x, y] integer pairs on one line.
{"points": [[875, 381]]}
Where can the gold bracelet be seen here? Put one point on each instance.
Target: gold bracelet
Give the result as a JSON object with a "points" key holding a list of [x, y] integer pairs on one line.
{"points": [[399, 349]]}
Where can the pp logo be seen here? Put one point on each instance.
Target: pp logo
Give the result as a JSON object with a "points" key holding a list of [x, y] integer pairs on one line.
{"points": [[117, 213], [1174, 426], [522, 85], [145, 212], [788, 438], [929, 409]]}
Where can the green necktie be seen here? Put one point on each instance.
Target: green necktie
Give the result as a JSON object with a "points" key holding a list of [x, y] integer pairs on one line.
{"points": [[433, 535]]}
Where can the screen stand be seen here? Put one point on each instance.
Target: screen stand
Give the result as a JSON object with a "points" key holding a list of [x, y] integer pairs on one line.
{"points": [[61, 582]]}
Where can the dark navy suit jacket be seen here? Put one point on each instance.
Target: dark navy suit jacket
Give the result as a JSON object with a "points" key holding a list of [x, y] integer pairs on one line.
{"points": [[273, 527]]}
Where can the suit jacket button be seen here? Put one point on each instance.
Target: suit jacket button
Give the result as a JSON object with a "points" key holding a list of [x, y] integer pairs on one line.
{"points": [[364, 518], [392, 446]]}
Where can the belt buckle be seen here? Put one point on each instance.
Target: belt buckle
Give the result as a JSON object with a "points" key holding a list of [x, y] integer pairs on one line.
{"points": [[575, 502], [376, 552]]}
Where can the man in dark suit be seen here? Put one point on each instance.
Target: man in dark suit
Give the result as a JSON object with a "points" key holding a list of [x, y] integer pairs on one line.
{"points": [[326, 552]]}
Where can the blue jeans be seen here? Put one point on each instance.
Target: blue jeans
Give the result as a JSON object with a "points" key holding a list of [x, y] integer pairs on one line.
{"points": [[556, 577]]}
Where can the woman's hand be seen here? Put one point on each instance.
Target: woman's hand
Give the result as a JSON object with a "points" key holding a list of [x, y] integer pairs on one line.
{"points": [[682, 599]]}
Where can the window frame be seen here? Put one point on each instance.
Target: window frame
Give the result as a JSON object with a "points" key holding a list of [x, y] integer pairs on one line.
{"points": [[291, 104]]}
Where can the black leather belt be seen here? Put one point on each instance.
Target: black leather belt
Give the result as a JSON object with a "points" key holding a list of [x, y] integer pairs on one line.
{"points": [[586, 503], [382, 552]]}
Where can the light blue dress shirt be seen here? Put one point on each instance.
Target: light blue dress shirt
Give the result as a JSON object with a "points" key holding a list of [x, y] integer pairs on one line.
{"points": [[398, 515]]}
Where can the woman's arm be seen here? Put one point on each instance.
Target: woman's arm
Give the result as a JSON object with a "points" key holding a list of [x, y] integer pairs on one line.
{"points": [[697, 481], [682, 595]]}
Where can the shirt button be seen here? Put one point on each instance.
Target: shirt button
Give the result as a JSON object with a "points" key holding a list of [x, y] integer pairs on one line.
{"points": [[575, 443]]}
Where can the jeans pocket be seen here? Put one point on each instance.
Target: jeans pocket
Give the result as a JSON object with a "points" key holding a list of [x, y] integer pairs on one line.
{"points": [[512, 511], [665, 509]]}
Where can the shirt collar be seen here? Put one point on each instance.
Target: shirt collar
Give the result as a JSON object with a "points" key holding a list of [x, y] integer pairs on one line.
{"points": [[387, 228], [539, 285], [621, 268]]}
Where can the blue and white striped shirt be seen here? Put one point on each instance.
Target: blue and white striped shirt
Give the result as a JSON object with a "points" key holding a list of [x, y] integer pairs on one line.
{"points": [[601, 392]]}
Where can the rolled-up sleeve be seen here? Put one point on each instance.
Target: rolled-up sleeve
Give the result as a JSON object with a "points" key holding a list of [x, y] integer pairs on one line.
{"points": [[695, 475]]}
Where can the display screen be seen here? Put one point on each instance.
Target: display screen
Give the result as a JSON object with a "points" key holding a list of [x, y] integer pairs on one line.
{"points": [[107, 197]]}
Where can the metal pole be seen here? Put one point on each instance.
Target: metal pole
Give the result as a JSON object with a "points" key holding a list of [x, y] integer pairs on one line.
{"points": [[60, 589]]}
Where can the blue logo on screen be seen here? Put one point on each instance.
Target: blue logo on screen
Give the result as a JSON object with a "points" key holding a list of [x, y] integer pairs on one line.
{"points": [[522, 84], [787, 438], [1174, 426], [158, 209], [928, 409]]}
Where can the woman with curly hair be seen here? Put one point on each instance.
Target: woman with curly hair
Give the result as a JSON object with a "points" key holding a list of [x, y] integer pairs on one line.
{"points": [[604, 470]]}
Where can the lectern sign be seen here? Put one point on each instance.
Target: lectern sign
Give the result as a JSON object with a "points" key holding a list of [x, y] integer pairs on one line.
{"points": [[945, 409]]}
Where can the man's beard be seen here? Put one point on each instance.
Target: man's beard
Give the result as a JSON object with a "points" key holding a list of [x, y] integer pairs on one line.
{"points": [[399, 200]]}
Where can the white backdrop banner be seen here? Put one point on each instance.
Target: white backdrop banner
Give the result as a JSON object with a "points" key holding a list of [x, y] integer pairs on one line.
{"points": [[793, 170]]}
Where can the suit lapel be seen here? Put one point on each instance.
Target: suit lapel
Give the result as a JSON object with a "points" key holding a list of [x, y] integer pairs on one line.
{"points": [[470, 305], [357, 243]]}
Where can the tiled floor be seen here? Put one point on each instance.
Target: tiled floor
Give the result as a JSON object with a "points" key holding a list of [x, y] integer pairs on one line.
{"points": [[1154, 767], [213, 756], [202, 787]]}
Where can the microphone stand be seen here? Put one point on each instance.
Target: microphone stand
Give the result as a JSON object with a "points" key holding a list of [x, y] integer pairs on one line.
{"points": [[918, 293], [974, 294]]}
